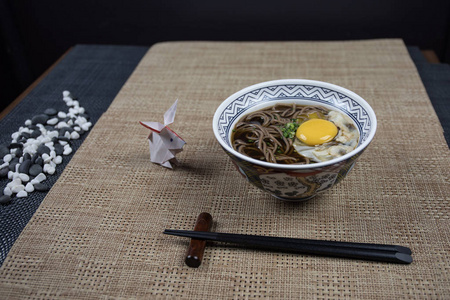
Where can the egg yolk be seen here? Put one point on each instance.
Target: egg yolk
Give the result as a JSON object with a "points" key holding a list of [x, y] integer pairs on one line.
{"points": [[316, 132]]}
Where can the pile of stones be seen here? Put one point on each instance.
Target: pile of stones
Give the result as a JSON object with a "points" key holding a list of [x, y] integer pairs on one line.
{"points": [[38, 147]]}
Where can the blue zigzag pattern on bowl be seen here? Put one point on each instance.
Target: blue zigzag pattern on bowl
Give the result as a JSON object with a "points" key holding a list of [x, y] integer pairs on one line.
{"points": [[342, 102]]}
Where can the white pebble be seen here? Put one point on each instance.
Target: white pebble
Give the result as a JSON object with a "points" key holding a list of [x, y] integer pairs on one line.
{"points": [[7, 191], [67, 151], [81, 110], [29, 187], [86, 126], [46, 167], [51, 170], [63, 143], [4, 165], [58, 160], [14, 182], [28, 122], [7, 158], [66, 94], [70, 122], [77, 128], [15, 135], [22, 194], [61, 115], [62, 124], [69, 102], [21, 159], [74, 135], [47, 158], [15, 175], [24, 177], [76, 103], [52, 121], [52, 134], [52, 154], [34, 181], [17, 188], [10, 174], [41, 177], [67, 135]]}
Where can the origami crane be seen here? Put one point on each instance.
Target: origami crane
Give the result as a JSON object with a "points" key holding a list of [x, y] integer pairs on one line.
{"points": [[164, 142]]}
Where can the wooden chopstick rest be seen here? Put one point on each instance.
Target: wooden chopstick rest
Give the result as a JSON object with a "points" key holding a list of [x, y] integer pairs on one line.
{"points": [[196, 248]]}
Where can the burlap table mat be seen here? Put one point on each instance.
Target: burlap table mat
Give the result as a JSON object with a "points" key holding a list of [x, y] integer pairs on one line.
{"points": [[98, 233]]}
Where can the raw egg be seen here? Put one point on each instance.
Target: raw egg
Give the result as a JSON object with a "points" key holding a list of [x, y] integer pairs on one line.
{"points": [[316, 132]]}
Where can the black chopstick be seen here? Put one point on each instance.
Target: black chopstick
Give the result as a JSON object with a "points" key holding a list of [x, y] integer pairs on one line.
{"points": [[377, 252]]}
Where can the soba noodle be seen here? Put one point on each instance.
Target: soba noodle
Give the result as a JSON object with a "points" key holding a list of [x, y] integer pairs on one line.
{"points": [[261, 134]]}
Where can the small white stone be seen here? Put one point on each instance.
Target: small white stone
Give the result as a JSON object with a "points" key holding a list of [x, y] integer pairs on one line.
{"points": [[61, 114], [29, 187], [67, 134], [52, 164], [67, 151], [69, 102], [62, 124], [7, 158], [28, 122], [34, 181], [52, 134], [41, 177], [74, 135], [14, 182], [77, 128], [17, 188], [17, 168], [73, 110], [15, 175], [46, 139], [22, 194], [81, 110], [86, 126], [24, 177], [15, 135], [7, 191], [52, 154], [51, 170], [70, 122], [46, 167], [10, 174], [76, 103], [63, 143], [47, 158], [58, 160], [4, 165], [52, 121], [21, 159]]}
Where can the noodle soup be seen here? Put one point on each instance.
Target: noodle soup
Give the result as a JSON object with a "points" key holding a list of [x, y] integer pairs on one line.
{"points": [[294, 138], [294, 134]]}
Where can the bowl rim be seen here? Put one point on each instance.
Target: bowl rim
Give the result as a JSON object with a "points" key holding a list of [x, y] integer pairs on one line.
{"points": [[322, 84]]}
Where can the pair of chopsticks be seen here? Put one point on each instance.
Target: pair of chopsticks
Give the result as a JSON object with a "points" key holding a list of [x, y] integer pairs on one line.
{"points": [[376, 252]]}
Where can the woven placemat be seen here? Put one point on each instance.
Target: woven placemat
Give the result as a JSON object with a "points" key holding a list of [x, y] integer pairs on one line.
{"points": [[98, 233]]}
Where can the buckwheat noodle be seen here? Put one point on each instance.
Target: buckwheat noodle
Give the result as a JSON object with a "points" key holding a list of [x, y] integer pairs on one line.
{"points": [[259, 134]]}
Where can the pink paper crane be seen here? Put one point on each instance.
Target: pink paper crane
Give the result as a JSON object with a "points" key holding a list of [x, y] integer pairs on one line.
{"points": [[164, 142]]}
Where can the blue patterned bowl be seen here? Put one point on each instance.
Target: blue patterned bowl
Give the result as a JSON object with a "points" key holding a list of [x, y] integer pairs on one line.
{"points": [[294, 182]]}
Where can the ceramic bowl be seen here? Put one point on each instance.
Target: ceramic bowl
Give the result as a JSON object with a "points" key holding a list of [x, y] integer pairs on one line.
{"points": [[294, 182]]}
